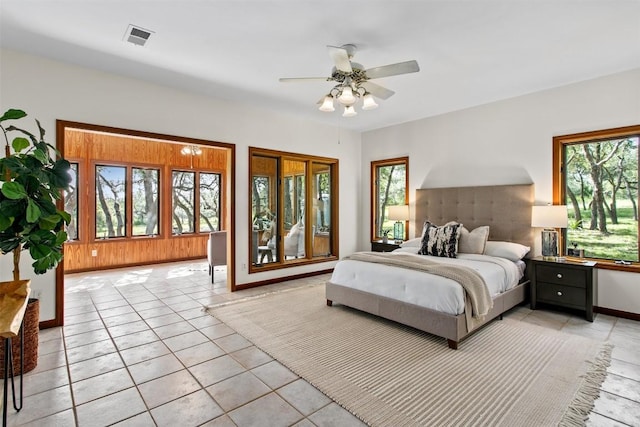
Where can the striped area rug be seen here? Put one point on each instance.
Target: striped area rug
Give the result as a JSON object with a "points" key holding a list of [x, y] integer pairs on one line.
{"points": [[509, 373]]}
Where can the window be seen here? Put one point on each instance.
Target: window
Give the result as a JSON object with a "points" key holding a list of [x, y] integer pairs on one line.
{"points": [[209, 202], [71, 203], [293, 202], [110, 201], [144, 198], [260, 191], [183, 202], [596, 176], [390, 184]]}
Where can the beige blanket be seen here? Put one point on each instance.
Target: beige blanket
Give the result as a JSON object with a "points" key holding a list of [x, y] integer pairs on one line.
{"points": [[476, 291]]}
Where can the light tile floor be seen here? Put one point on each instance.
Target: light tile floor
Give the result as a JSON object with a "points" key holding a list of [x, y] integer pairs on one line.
{"points": [[138, 350]]}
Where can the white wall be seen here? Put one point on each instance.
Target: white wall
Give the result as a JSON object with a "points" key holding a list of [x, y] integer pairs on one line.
{"points": [[50, 90], [509, 142]]}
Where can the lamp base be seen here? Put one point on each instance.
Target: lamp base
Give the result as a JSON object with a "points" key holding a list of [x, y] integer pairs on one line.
{"points": [[398, 231], [549, 244]]}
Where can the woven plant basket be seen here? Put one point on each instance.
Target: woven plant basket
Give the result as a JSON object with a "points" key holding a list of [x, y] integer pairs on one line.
{"points": [[31, 328]]}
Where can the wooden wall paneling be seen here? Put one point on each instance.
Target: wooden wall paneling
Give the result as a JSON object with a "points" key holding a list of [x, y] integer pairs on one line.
{"points": [[91, 148]]}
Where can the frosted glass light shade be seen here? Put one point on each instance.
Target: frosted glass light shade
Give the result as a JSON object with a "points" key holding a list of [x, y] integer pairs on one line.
{"points": [[349, 111], [327, 104], [346, 97], [368, 103]]}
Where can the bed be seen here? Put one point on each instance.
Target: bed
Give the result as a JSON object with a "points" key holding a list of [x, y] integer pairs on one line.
{"points": [[373, 288]]}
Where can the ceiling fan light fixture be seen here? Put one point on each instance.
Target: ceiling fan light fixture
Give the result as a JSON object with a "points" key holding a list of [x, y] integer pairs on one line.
{"points": [[327, 104], [349, 111], [346, 97], [368, 103], [352, 81]]}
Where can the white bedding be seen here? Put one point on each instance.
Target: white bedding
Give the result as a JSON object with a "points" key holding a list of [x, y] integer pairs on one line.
{"points": [[411, 286]]}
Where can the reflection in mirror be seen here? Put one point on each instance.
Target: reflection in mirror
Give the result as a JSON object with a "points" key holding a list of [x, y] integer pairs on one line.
{"points": [[293, 216], [264, 188], [321, 210], [294, 203]]}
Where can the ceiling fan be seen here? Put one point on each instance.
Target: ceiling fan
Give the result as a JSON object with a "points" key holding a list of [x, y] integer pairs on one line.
{"points": [[353, 80]]}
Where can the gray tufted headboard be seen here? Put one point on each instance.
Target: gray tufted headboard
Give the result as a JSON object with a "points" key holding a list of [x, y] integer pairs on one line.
{"points": [[506, 209]]}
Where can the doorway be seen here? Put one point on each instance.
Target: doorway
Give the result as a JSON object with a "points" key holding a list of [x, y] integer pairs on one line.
{"points": [[142, 198]]}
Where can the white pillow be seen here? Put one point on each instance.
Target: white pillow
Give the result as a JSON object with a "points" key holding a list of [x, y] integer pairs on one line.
{"points": [[294, 230], [509, 250], [412, 243], [473, 242]]}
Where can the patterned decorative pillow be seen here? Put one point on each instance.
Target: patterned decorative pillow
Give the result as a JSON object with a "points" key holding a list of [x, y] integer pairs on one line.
{"points": [[440, 241]]}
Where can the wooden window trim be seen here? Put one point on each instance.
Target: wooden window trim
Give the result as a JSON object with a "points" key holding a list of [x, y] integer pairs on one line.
{"points": [[559, 142], [308, 160], [374, 194]]}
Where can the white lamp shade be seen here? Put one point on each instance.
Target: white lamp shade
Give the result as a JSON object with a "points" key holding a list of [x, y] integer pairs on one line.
{"points": [[327, 104], [368, 103], [346, 97], [549, 216], [349, 111], [399, 213]]}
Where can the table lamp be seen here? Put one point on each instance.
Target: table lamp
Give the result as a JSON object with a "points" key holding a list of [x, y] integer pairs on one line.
{"points": [[550, 218], [399, 214]]}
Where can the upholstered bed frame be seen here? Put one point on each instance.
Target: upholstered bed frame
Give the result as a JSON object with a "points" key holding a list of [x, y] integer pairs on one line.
{"points": [[506, 209]]}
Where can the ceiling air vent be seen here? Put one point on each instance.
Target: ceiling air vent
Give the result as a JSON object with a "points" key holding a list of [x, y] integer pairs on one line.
{"points": [[137, 35]]}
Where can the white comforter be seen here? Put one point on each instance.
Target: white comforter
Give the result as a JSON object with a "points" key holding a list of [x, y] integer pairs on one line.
{"points": [[423, 289]]}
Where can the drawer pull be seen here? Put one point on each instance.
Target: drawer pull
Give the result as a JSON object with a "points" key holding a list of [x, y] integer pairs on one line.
{"points": [[559, 293], [559, 275]]}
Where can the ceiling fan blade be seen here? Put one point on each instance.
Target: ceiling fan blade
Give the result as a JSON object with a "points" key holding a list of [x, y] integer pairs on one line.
{"points": [[303, 79], [392, 69], [340, 57], [377, 90]]}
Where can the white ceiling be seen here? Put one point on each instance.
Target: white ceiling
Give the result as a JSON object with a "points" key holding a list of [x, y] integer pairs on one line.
{"points": [[469, 52]]}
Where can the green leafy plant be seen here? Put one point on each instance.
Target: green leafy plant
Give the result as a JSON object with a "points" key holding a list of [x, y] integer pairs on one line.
{"points": [[32, 182]]}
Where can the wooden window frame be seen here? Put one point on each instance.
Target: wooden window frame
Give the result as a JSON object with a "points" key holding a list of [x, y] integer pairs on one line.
{"points": [[374, 192], [278, 200], [559, 196]]}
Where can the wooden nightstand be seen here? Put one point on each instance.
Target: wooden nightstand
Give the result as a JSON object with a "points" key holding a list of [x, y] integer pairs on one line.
{"points": [[567, 284], [379, 246]]}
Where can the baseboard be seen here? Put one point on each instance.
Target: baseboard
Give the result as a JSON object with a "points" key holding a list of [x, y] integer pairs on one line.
{"points": [[617, 313], [282, 279], [53, 323]]}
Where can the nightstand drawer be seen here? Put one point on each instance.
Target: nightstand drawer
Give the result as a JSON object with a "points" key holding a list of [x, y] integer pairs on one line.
{"points": [[561, 275], [567, 296]]}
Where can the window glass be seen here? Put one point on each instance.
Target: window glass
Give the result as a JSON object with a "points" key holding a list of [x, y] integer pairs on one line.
{"points": [[293, 208], [183, 202], [601, 193], [71, 203], [390, 186], [264, 207], [144, 197], [321, 209], [295, 236], [209, 202], [110, 201]]}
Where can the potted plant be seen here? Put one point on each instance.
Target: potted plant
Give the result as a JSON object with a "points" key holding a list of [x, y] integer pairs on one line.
{"points": [[385, 236], [31, 183]]}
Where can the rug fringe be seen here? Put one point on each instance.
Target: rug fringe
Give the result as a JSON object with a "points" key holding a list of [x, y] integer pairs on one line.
{"points": [[583, 402]]}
